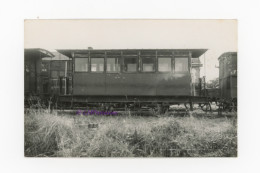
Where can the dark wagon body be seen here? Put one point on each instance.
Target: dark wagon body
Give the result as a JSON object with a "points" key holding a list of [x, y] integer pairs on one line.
{"points": [[34, 75], [228, 75], [151, 75], [44, 75]]}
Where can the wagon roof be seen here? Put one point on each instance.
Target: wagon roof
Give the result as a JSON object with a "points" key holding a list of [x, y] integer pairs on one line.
{"points": [[226, 54], [57, 56], [37, 53], [196, 53]]}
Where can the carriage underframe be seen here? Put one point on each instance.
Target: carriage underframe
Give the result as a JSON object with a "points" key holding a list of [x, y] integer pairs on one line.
{"points": [[161, 103]]}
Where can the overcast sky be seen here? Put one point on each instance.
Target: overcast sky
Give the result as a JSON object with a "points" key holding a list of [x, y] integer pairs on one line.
{"points": [[218, 36]]}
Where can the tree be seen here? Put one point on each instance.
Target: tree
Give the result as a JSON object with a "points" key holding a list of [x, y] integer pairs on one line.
{"points": [[213, 83]]}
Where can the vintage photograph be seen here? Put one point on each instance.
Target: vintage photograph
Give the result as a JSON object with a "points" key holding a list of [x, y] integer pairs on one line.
{"points": [[130, 88]]}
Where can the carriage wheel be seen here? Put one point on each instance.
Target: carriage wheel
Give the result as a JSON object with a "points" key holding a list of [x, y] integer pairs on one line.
{"points": [[160, 110], [206, 107], [157, 110], [188, 106], [233, 106], [165, 110]]}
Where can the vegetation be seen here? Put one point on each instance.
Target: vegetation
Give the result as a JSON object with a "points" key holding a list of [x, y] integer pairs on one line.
{"points": [[54, 135], [213, 83]]}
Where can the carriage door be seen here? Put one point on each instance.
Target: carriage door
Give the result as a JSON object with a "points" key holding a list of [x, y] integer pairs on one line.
{"points": [[64, 85], [64, 80]]}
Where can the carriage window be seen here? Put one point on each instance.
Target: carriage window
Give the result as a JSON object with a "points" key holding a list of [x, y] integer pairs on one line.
{"points": [[81, 64], [164, 64], [130, 64], [181, 64], [113, 65], [148, 64], [97, 64]]}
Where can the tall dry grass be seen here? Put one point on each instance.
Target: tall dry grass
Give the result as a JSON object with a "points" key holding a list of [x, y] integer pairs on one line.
{"points": [[53, 135]]}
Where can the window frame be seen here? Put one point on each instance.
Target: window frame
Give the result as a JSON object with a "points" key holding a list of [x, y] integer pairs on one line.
{"points": [[118, 60], [104, 63], [121, 59], [188, 64], [171, 65], [154, 64], [137, 64], [74, 68]]}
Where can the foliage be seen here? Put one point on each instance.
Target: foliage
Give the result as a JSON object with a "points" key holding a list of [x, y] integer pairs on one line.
{"points": [[54, 135], [213, 83]]}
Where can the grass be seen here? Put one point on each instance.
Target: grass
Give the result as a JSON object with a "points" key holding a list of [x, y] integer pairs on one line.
{"points": [[53, 135]]}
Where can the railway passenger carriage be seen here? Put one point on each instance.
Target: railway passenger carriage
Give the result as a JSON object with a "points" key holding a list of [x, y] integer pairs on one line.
{"points": [[228, 75], [35, 75], [225, 95], [228, 80], [46, 75], [144, 76]]}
